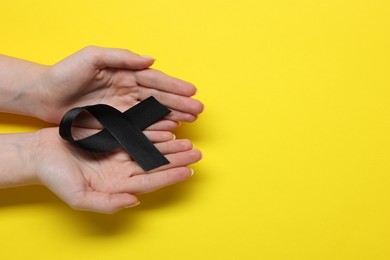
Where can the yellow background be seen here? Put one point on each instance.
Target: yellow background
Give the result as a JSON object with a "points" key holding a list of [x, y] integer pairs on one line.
{"points": [[295, 134]]}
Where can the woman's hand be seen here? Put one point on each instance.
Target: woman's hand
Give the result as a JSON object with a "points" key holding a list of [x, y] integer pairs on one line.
{"points": [[106, 182], [115, 77]]}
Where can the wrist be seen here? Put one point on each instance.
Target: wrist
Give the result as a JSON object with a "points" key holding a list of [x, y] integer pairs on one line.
{"points": [[43, 143], [49, 94], [19, 86], [18, 162], [42, 100]]}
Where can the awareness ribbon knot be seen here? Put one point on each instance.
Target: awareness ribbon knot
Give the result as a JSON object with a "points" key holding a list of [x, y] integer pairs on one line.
{"points": [[121, 130]]}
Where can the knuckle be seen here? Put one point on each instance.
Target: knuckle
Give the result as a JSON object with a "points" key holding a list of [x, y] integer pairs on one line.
{"points": [[90, 48], [92, 52]]}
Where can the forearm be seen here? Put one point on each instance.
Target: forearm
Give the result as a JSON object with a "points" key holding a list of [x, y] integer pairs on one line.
{"points": [[16, 162], [19, 86]]}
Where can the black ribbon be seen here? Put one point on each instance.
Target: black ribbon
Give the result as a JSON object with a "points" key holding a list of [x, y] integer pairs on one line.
{"points": [[121, 130]]}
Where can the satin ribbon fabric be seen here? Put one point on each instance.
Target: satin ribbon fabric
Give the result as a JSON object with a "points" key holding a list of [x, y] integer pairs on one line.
{"points": [[121, 130]]}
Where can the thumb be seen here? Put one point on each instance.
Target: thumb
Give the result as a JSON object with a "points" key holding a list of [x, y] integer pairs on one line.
{"points": [[116, 58], [103, 202]]}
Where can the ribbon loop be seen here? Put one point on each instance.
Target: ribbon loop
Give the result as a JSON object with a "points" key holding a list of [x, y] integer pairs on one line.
{"points": [[121, 130]]}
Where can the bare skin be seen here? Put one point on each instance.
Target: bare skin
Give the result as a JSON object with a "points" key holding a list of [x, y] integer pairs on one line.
{"points": [[93, 75], [104, 182]]}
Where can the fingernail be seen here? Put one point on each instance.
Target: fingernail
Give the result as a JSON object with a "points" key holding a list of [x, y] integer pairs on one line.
{"points": [[192, 171], [133, 205], [174, 137], [147, 57]]}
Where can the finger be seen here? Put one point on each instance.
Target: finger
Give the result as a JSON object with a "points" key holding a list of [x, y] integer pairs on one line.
{"points": [[146, 183], [181, 117], [159, 136], [173, 101], [174, 146], [152, 78], [180, 159], [116, 58], [163, 125], [103, 202]]}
